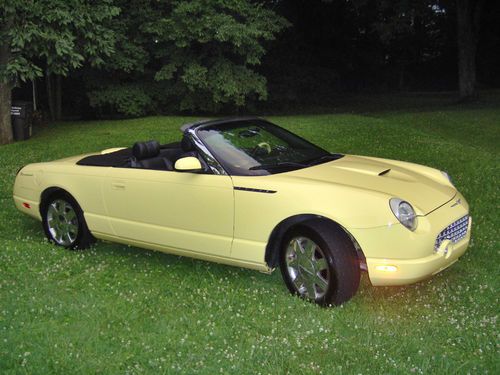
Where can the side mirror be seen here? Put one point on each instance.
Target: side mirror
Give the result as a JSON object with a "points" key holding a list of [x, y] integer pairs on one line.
{"points": [[188, 164]]}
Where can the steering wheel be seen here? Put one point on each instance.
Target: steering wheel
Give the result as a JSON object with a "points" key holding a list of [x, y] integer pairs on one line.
{"points": [[260, 148]]}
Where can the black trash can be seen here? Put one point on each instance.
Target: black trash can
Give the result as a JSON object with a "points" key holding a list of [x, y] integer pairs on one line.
{"points": [[22, 120]]}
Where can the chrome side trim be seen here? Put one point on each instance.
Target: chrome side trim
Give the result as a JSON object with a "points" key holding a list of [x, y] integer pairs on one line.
{"points": [[212, 162], [254, 190]]}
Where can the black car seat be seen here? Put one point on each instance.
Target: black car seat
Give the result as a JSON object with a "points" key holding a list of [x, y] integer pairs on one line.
{"points": [[189, 149], [187, 145], [146, 155]]}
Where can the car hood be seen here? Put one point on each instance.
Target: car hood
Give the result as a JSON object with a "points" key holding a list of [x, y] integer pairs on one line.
{"points": [[425, 188]]}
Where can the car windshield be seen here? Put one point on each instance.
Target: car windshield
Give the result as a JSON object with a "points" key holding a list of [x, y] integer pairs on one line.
{"points": [[257, 147]]}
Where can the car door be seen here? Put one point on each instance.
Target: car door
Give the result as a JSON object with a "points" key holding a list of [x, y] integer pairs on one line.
{"points": [[186, 211]]}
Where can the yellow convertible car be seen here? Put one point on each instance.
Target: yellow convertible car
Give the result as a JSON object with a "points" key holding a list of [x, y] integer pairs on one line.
{"points": [[248, 193]]}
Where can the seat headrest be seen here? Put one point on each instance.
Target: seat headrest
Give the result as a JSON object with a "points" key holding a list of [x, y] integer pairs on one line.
{"points": [[144, 150], [187, 145]]}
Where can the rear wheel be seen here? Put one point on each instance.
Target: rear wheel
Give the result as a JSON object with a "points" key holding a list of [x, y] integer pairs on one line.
{"points": [[64, 223], [318, 262]]}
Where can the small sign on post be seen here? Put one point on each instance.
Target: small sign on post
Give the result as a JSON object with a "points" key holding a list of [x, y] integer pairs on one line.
{"points": [[15, 111], [21, 118]]}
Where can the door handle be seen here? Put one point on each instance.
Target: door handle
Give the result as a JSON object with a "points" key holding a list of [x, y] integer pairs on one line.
{"points": [[118, 185]]}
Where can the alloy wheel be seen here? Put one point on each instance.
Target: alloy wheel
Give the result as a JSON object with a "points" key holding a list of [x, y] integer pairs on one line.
{"points": [[62, 222], [307, 267]]}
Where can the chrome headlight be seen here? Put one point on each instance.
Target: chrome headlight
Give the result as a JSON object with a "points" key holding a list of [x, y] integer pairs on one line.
{"points": [[447, 176], [404, 212]]}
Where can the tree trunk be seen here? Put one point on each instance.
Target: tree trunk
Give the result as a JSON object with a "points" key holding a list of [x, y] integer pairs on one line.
{"points": [[401, 80], [468, 22], [5, 103], [5, 99], [50, 94], [58, 98]]}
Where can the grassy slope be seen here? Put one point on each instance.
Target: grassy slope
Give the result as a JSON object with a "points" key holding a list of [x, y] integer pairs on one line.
{"points": [[119, 309]]}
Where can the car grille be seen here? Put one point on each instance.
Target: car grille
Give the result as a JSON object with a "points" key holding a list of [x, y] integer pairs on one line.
{"points": [[453, 232]]}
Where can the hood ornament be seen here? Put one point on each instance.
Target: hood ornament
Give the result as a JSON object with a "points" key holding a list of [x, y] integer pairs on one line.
{"points": [[458, 201]]}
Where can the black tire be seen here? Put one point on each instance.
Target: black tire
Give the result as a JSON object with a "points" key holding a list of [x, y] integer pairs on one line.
{"points": [[80, 237], [340, 269]]}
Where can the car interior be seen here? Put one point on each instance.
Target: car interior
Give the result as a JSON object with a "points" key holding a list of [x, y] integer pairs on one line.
{"points": [[147, 155]]}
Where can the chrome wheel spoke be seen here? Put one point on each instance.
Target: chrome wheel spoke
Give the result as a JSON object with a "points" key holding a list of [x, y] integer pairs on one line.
{"points": [[54, 208], [320, 264], [321, 283], [297, 247], [70, 215], [298, 282], [68, 237], [65, 209], [309, 249], [311, 290], [293, 261], [52, 211], [59, 205]]}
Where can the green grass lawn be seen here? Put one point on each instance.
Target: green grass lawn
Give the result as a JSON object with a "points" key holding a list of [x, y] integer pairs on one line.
{"points": [[118, 309]]}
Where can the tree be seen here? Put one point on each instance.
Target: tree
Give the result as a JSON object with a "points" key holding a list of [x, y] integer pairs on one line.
{"points": [[51, 37], [468, 23], [187, 55], [411, 34]]}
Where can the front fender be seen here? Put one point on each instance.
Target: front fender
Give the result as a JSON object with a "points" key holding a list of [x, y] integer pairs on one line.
{"points": [[271, 201]]}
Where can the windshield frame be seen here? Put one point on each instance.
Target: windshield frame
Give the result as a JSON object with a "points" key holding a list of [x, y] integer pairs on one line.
{"points": [[234, 123]]}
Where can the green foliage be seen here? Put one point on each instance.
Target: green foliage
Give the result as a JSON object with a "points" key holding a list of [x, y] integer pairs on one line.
{"points": [[54, 35], [130, 100], [116, 309], [203, 53]]}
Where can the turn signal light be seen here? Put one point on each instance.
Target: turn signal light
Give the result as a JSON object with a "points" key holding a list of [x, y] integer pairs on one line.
{"points": [[386, 268]]}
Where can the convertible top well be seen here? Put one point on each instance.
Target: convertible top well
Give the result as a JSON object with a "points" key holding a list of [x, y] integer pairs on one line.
{"points": [[123, 158], [114, 159]]}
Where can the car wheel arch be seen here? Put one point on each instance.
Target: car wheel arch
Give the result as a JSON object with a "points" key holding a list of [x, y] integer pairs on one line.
{"points": [[48, 193], [279, 232]]}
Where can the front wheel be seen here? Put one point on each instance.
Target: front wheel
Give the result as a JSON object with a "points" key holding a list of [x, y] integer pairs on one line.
{"points": [[64, 223], [318, 262]]}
